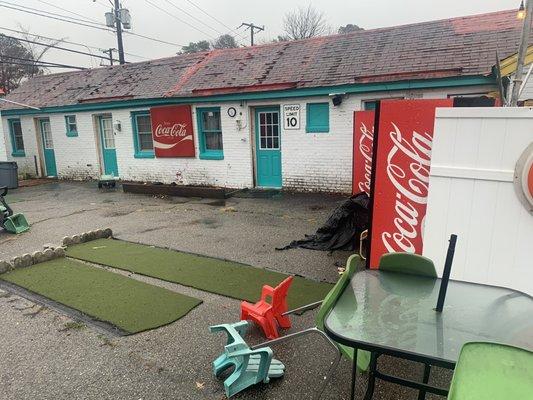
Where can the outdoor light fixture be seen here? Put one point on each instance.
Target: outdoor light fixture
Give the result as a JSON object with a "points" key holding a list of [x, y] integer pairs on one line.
{"points": [[521, 14], [117, 125], [336, 99]]}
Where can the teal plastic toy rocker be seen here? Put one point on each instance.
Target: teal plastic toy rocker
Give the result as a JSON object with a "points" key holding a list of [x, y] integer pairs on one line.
{"points": [[251, 366]]}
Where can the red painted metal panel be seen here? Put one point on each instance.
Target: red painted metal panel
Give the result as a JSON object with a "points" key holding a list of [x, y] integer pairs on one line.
{"points": [[172, 131], [363, 135], [401, 176]]}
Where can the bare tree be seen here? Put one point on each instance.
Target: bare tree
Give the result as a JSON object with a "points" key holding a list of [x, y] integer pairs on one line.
{"points": [[304, 23], [37, 51], [15, 63]]}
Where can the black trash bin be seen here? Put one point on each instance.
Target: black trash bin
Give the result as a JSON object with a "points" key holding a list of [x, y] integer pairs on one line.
{"points": [[9, 174]]}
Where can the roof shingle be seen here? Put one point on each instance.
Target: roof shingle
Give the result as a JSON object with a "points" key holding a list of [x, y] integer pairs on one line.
{"points": [[454, 47]]}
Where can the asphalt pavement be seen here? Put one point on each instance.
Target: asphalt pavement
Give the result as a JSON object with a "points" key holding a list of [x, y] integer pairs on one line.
{"points": [[44, 354]]}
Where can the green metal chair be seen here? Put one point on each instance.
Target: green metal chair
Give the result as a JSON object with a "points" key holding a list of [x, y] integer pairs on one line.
{"points": [[407, 263], [363, 357], [492, 371]]}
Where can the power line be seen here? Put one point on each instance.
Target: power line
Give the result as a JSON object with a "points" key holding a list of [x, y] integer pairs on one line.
{"points": [[71, 21], [179, 19], [216, 19], [39, 63], [55, 47], [65, 41], [193, 17], [103, 28], [70, 12]]}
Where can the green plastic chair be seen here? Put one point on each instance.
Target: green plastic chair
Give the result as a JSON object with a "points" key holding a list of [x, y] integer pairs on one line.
{"points": [[492, 371], [407, 263], [363, 357], [250, 366]]}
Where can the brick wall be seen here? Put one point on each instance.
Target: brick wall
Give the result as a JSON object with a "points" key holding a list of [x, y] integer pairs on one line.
{"points": [[310, 161]]}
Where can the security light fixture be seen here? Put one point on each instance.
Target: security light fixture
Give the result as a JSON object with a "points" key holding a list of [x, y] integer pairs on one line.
{"points": [[336, 99], [521, 14]]}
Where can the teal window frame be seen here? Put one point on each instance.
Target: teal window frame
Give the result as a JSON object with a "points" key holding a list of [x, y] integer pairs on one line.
{"points": [[206, 154], [317, 123], [370, 105], [15, 151], [71, 132], [138, 152]]}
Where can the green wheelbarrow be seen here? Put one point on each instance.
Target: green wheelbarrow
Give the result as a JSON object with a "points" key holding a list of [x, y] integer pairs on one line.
{"points": [[13, 223]]}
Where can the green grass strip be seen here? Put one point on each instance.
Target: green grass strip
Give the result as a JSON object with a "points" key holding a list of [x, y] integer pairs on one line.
{"points": [[213, 275], [124, 302]]}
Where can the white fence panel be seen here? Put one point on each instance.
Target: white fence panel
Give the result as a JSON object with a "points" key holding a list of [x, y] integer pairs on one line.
{"points": [[471, 193]]}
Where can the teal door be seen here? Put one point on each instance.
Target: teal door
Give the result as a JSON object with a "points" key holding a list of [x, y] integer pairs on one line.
{"points": [[268, 147], [48, 147], [107, 141]]}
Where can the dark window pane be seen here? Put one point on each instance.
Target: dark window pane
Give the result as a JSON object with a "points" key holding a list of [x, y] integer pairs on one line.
{"points": [[275, 130], [145, 141], [269, 143], [213, 141], [261, 118], [269, 130], [269, 118], [263, 130], [263, 143], [144, 124], [275, 118], [276, 143], [211, 120]]}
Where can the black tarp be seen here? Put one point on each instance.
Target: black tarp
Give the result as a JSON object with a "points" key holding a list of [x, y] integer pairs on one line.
{"points": [[341, 230]]}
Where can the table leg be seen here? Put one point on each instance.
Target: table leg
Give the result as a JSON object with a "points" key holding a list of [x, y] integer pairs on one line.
{"points": [[371, 376], [354, 373], [425, 379]]}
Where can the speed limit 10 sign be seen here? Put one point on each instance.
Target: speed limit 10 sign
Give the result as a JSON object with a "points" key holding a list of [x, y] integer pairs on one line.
{"points": [[291, 116]]}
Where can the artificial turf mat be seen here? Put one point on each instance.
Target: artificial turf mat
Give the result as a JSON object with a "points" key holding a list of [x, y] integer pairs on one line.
{"points": [[227, 278], [126, 303]]}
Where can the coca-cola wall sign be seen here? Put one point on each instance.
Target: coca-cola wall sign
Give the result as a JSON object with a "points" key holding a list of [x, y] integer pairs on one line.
{"points": [[400, 174], [363, 136], [172, 131]]}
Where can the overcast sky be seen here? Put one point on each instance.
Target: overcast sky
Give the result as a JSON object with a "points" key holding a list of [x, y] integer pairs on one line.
{"points": [[150, 21]]}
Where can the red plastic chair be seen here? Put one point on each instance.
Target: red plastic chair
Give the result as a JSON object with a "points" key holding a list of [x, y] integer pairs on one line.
{"points": [[269, 315]]}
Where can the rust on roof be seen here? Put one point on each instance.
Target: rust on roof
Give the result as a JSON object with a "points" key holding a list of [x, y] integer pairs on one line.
{"points": [[455, 47]]}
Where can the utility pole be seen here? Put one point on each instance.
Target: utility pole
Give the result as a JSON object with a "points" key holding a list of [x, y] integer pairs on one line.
{"points": [[118, 24], [119, 19], [252, 30], [109, 52], [522, 50]]}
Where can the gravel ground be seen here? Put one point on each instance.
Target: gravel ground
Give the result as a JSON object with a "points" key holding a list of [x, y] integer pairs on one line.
{"points": [[44, 355]]}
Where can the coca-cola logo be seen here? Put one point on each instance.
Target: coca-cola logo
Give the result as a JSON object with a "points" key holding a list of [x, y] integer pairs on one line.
{"points": [[175, 130], [411, 187], [365, 149]]}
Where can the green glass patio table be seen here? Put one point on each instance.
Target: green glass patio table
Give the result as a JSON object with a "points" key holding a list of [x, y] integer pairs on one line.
{"points": [[394, 314]]}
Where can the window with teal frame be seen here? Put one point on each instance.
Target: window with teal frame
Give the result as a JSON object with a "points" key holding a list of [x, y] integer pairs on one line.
{"points": [[71, 125], [317, 118], [209, 133], [141, 124], [17, 139]]}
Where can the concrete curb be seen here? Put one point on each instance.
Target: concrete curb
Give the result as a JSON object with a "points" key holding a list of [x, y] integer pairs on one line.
{"points": [[51, 252]]}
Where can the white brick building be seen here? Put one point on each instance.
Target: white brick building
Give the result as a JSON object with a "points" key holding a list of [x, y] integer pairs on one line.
{"points": [[64, 138]]}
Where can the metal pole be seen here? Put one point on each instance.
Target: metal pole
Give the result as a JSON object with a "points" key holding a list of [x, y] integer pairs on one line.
{"points": [[252, 34], [118, 24], [522, 49], [446, 274]]}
